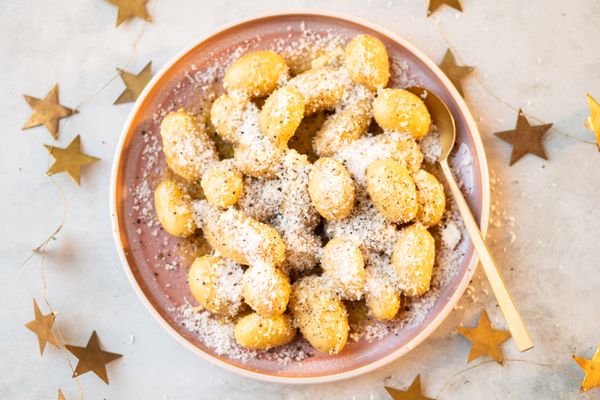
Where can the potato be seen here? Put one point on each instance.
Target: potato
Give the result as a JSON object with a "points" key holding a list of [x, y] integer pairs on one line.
{"points": [[174, 209], [331, 189], [321, 317], [400, 110], [239, 237], [222, 184], [259, 160], [405, 149], [392, 190], [321, 89], [216, 284], [413, 257], [255, 331], [256, 74], [187, 147], [266, 289], [343, 264], [431, 198], [281, 115], [367, 62], [343, 127], [382, 297], [227, 115]]}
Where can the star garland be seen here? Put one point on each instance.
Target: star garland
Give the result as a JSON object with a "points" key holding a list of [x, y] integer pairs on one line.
{"points": [[485, 340], [47, 111], [134, 83], [128, 9]]}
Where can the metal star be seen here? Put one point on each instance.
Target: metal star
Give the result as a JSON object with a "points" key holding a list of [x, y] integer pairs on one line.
{"points": [[413, 392], [42, 327], [435, 4], [593, 121], [130, 8], [525, 138], [92, 358], [453, 71], [485, 339], [47, 111], [69, 160], [61, 396], [135, 83], [591, 369]]}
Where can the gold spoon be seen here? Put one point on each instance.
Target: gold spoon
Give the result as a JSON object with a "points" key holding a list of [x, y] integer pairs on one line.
{"points": [[442, 117]]}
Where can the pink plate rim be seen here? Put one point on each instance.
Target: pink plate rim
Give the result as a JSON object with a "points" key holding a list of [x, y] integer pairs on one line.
{"points": [[439, 318]]}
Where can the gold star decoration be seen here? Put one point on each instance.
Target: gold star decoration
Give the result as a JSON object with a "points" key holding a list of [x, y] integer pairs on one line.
{"points": [[42, 327], [130, 8], [435, 4], [47, 111], [92, 358], [593, 121], [412, 393], [485, 339], [455, 72], [525, 138], [69, 159], [61, 396], [591, 369], [135, 83]]}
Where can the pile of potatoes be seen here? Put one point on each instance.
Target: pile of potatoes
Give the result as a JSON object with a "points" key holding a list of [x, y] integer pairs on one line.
{"points": [[253, 244]]}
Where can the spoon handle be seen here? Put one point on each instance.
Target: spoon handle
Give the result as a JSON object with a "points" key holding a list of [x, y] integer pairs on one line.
{"points": [[507, 304]]}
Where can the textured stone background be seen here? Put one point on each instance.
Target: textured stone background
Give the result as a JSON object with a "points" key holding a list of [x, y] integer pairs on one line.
{"points": [[541, 55]]}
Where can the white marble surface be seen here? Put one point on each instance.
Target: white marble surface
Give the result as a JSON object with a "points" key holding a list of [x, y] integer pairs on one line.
{"points": [[541, 55]]}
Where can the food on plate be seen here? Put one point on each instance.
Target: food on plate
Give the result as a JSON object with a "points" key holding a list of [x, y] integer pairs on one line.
{"points": [[316, 211]]}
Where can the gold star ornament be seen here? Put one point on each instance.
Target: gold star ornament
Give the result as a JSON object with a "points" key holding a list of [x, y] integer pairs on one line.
{"points": [[92, 358], [61, 396], [455, 72], [593, 121], [134, 83], [412, 393], [69, 159], [47, 111], [129, 9], [525, 138], [42, 327], [591, 369], [435, 4], [484, 339]]}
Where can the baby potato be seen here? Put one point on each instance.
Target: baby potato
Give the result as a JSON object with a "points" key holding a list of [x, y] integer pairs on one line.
{"points": [[321, 317], [256, 74], [255, 331], [383, 299], [187, 147], [413, 257], [216, 284], [400, 110], [222, 184], [266, 289], [405, 150], [259, 160], [320, 88], [227, 115], [331, 189], [174, 209], [343, 263], [392, 190], [431, 198], [343, 127], [281, 115], [367, 62], [239, 237]]}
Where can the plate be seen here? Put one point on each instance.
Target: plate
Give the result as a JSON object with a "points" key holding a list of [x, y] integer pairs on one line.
{"points": [[149, 255]]}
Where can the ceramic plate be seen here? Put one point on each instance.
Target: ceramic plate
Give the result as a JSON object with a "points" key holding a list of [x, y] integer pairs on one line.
{"points": [[149, 255]]}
